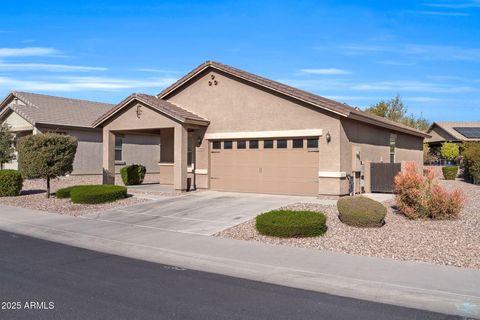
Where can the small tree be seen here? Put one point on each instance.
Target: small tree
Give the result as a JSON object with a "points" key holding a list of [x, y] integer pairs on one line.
{"points": [[46, 156], [471, 160], [450, 151], [426, 153], [6, 145], [395, 110]]}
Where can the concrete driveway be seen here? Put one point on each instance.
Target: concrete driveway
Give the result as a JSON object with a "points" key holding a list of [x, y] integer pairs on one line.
{"points": [[204, 213]]}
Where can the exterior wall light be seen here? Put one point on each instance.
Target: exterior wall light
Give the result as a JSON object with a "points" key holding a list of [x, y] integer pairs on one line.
{"points": [[328, 137]]}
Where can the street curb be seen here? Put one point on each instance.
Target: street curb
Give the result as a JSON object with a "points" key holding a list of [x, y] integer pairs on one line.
{"points": [[383, 292]]}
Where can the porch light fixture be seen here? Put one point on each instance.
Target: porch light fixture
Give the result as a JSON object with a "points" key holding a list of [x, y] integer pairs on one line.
{"points": [[199, 141], [328, 137]]}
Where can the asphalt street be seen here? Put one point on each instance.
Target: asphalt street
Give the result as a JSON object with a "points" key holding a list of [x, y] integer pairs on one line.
{"points": [[46, 280]]}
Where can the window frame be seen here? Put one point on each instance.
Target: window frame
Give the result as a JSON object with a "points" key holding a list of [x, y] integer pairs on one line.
{"points": [[119, 147], [392, 147], [216, 145]]}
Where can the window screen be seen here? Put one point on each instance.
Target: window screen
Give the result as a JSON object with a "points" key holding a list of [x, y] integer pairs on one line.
{"points": [[281, 144], [267, 144], [297, 143], [312, 143]]}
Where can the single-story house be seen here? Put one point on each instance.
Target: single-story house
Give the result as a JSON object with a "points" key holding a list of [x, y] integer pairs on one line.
{"points": [[222, 128], [30, 113], [453, 131]]}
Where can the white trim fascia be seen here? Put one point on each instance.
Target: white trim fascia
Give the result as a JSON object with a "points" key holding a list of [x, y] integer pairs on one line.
{"points": [[165, 163], [265, 134], [331, 174]]}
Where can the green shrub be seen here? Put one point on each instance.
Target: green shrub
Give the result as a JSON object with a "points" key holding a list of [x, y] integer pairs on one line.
{"points": [[97, 193], [471, 161], [360, 211], [64, 192], [93, 194], [288, 223], [450, 173], [133, 174], [450, 151], [11, 183]]}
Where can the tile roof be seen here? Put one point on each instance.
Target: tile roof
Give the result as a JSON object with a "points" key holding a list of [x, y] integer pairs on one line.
{"points": [[319, 101], [449, 126], [45, 109], [163, 106]]}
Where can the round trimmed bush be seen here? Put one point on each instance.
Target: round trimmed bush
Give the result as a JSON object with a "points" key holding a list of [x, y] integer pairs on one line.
{"points": [[133, 174], [360, 211], [288, 223], [93, 194], [450, 173], [11, 183]]}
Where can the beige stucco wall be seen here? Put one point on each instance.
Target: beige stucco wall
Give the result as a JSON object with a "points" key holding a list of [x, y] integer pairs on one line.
{"points": [[439, 135], [141, 149], [233, 106], [150, 120], [137, 148], [15, 121], [374, 146]]}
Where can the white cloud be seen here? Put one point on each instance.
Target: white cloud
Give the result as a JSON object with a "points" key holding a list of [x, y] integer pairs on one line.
{"points": [[455, 4], [422, 99], [420, 51], [327, 71], [155, 70], [378, 86], [410, 86], [439, 13], [46, 67], [28, 52], [84, 84]]}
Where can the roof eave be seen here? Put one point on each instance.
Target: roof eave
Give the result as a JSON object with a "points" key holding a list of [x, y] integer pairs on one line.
{"points": [[359, 117]]}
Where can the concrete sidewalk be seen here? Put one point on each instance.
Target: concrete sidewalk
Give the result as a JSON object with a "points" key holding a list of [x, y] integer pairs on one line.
{"points": [[418, 285]]}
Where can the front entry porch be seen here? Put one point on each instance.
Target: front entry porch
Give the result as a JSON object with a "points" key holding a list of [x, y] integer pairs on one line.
{"points": [[180, 135]]}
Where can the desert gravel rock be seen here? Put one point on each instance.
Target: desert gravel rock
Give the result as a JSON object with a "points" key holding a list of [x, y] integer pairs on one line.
{"points": [[450, 242], [33, 197]]}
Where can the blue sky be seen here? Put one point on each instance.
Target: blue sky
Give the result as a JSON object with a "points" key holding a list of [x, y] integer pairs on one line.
{"points": [[356, 52]]}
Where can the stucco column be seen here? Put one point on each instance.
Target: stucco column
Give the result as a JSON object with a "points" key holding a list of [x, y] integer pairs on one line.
{"points": [[367, 176], [180, 158], [108, 157]]}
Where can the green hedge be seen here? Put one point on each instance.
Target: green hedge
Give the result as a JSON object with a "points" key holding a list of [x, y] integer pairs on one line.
{"points": [[361, 211], [93, 194], [287, 223], [11, 183], [64, 192], [450, 173], [133, 174]]}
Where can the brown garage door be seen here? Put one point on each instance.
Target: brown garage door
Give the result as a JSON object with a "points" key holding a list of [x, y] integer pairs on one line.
{"points": [[273, 170]]}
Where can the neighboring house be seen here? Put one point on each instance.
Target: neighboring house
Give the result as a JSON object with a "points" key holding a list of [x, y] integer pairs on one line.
{"points": [[222, 128], [453, 131], [29, 113]]}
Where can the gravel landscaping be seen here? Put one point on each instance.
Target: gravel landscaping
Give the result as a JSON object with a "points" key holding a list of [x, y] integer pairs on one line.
{"points": [[33, 197], [455, 243]]}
